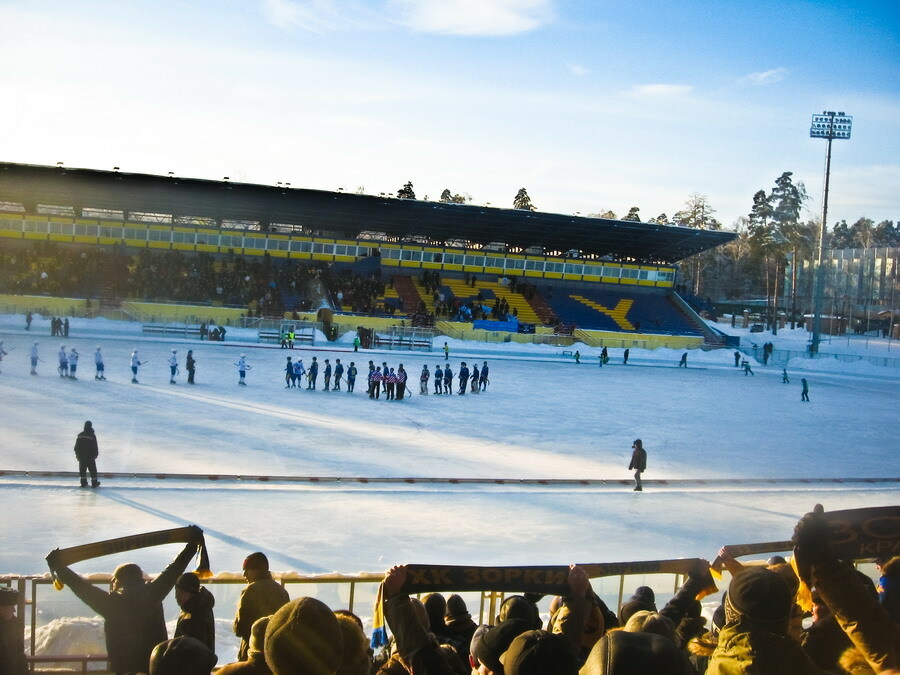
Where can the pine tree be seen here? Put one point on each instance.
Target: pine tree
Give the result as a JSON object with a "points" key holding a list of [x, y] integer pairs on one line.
{"points": [[523, 202], [633, 214], [406, 192]]}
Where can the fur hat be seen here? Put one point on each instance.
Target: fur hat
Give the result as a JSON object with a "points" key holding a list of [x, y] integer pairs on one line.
{"points": [[304, 638], [622, 653], [355, 660], [182, 656], [537, 652]]}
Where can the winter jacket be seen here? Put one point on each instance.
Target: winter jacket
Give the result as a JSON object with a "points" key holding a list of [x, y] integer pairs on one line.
{"points": [[260, 598], [196, 619], [12, 648], [134, 621], [190, 364], [859, 614], [86, 446], [638, 460], [416, 646], [747, 648]]}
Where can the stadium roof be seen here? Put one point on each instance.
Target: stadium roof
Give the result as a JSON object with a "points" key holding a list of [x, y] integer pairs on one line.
{"points": [[350, 216]]}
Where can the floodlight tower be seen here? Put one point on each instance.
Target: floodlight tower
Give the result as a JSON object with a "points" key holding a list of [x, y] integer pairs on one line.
{"points": [[829, 125]]}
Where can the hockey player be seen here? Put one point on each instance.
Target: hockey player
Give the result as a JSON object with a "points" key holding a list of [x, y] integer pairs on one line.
{"points": [[423, 380], [475, 375], [313, 373], [384, 372], [289, 377], [625, 357], [242, 367], [338, 374], [463, 378], [34, 358], [173, 365], [375, 378], [448, 379], [483, 379], [351, 377], [299, 371], [804, 394], [327, 374], [63, 361], [438, 379], [390, 382], [401, 382], [73, 363], [784, 376], [98, 364], [135, 364]]}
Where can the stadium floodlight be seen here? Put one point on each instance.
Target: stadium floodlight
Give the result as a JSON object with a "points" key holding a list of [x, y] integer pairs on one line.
{"points": [[831, 126]]}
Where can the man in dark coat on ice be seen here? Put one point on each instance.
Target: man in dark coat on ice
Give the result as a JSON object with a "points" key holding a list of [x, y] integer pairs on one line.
{"points": [[86, 451]]}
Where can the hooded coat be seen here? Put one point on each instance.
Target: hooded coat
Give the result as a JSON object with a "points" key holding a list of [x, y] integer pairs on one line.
{"points": [[86, 444], [196, 619]]}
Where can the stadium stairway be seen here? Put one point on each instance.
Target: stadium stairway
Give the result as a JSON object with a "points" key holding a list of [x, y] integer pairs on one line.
{"points": [[408, 293], [490, 290]]}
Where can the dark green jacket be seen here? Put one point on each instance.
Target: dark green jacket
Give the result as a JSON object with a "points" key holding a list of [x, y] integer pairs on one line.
{"points": [[134, 621]]}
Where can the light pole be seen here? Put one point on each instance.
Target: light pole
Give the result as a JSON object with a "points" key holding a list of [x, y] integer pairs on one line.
{"points": [[829, 125]]}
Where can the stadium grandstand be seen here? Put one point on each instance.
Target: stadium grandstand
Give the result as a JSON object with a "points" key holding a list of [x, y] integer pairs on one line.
{"points": [[275, 252]]}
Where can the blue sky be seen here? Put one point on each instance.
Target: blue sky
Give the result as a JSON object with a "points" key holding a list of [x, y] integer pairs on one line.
{"points": [[589, 105]]}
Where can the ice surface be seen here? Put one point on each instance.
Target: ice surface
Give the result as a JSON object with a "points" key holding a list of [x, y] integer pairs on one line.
{"points": [[543, 416]]}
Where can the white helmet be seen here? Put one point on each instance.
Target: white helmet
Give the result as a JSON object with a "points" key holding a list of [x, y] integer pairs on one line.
{"points": [[174, 351], [243, 356]]}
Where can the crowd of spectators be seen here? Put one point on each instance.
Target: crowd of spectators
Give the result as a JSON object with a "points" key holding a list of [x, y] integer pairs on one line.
{"points": [[758, 627]]}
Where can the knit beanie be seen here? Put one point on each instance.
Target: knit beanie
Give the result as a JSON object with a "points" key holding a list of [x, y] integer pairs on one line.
{"points": [[489, 642], [456, 609], [760, 595], [651, 622], [256, 561], [537, 652], [303, 638], [189, 582], [435, 606], [182, 656]]}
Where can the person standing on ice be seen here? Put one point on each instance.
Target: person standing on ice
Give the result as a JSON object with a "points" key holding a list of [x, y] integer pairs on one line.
{"points": [[135, 364], [737, 359], [86, 452], [351, 377], [299, 372], [173, 366], [63, 359], [289, 378], [98, 365], [327, 375], [3, 352], [190, 365], [784, 376], [474, 379], [448, 379], [34, 358], [804, 395], [625, 357], [424, 376], [73, 363], [638, 463], [242, 369], [463, 378], [438, 379], [313, 373], [683, 362], [338, 374], [483, 379]]}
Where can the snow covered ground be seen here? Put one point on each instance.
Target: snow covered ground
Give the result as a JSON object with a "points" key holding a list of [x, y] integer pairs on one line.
{"points": [[543, 417]]}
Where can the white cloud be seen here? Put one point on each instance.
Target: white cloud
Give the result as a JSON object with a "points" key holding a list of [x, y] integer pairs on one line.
{"points": [[660, 90], [766, 77], [579, 70], [472, 17], [319, 16]]}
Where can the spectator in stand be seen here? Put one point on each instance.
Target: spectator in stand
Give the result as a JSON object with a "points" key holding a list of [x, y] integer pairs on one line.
{"points": [[261, 597], [196, 619]]}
